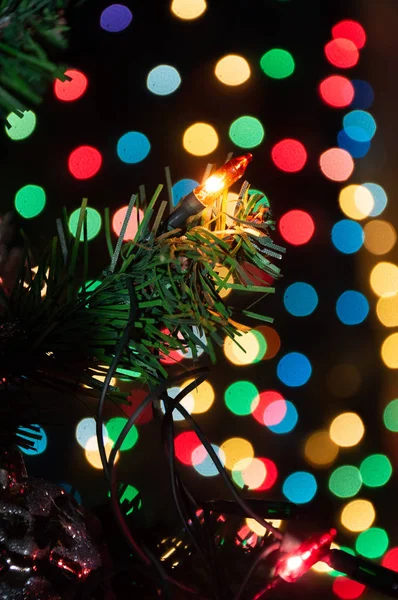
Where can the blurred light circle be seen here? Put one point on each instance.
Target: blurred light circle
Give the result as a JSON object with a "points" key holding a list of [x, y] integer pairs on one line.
{"points": [[358, 515], [188, 9], [289, 155], [389, 351], [379, 198], [356, 201], [271, 475], [224, 273], [266, 398], [163, 80], [256, 528], [84, 162], [92, 452], [94, 223], [203, 396], [272, 340], [347, 589], [249, 351], [350, 30], [203, 463], [347, 429], [300, 487], [71, 89], [30, 200], [387, 310], [336, 91], [187, 402], [352, 307], [39, 446], [300, 299], [136, 397], [320, 450], [86, 429], [375, 470], [380, 236], [390, 416], [372, 543], [73, 491], [188, 354], [132, 225], [356, 149], [241, 397], [364, 94], [342, 53], [236, 449], [250, 472], [359, 125], [277, 63], [182, 188], [20, 126], [390, 559], [345, 481], [114, 428], [274, 412], [384, 279], [344, 380], [184, 445], [336, 164], [347, 236], [133, 147], [246, 132], [115, 18], [232, 70], [297, 227], [200, 139], [294, 369]]}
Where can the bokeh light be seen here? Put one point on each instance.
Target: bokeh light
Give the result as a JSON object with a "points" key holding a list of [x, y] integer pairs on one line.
{"points": [[93, 219], [289, 155], [163, 80], [294, 369], [390, 416], [72, 491], [86, 429], [297, 227], [352, 307], [347, 589], [133, 147], [336, 164], [84, 162], [272, 340], [92, 453], [236, 449], [71, 89], [387, 310], [39, 446], [347, 236], [343, 380], [232, 70], [224, 273], [187, 402], [390, 559], [258, 529], [30, 201], [356, 149], [350, 30], [372, 543], [253, 348], [364, 94], [20, 126], [132, 225], [250, 472], [359, 125], [200, 139], [203, 396], [336, 91], [384, 279], [115, 18], [203, 463], [246, 132], [114, 428], [321, 567], [389, 351], [281, 416], [342, 53], [375, 470], [320, 450], [241, 397], [266, 398], [271, 475], [345, 481], [356, 201], [380, 236], [182, 188], [300, 299], [135, 399], [347, 429], [184, 445], [277, 63], [358, 515], [379, 198], [300, 487], [188, 9]]}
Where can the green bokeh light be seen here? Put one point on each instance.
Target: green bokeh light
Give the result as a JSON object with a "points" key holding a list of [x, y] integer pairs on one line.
{"points": [[241, 397], [30, 201], [372, 543], [129, 494], [21, 126], [246, 132], [114, 428], [375, 470], [345, 481], [261, 201], [390, 416], [277, 63], [262, 343], [94, 223]]}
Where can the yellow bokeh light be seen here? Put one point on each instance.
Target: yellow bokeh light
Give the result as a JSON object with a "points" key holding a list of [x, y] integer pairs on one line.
{"points": [[253, 472], [92, 452], [380, 236], [358, 515], [236, 449], [188, 9], [200, 139], [255, 526], [250, 352], [384, 279], [389, 351], [320, 450], [203, 396], [223, 273], [232, 70], [387, 310], [347, 429], [356, 201], [321, 567]]}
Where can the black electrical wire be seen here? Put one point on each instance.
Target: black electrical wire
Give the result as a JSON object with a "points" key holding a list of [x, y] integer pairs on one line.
{"points": [[262, 556]]}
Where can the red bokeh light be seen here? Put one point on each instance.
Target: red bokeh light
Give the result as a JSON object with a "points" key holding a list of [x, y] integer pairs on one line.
{"points": [[350, 30], [273, 340], [289, 155], [184, 445], [72, 89], [271, 476], [336, 164], [256, 275], [173, 357], [390, 559], [342, 53], [265, 399], [347, 589], [84, 162], [136, 398], [132, 225], [275, 413], [296, 227], [337, 91]]}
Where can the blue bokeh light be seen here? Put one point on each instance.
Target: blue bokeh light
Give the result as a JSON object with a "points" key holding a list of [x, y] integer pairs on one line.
{"points": [[181, 188], [207, 468], [115, 18], [356, 149], [39, 445], [300, 299], [359, 125], [352, 307], [288, 422], [300, 487], [72, 491], [347, 236], [363, 94], [163, 80], [133, 147], [294, 369], [379, 197]]}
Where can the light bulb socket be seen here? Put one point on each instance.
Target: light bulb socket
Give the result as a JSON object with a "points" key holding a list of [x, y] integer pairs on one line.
{"points": [[187, 207]]}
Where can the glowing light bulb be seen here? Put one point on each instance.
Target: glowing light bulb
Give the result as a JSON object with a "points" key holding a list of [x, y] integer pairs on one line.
{"points": [[214, 184], [298, 562]]}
